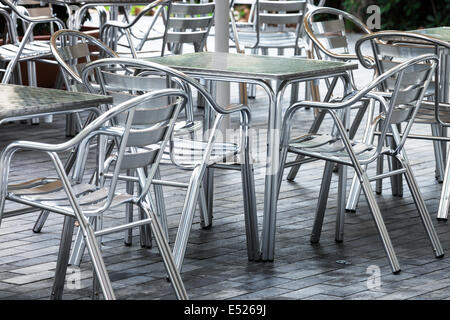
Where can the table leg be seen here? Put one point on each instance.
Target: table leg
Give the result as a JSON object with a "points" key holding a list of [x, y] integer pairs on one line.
{"points": [[271, 180]]}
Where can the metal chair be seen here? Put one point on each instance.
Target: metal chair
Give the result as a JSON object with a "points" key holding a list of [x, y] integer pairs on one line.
{"points": [[390, 48], [187, 154], [18, 49], [329, 42], [75, 198], [410, 81], [73, 50], [275, 25], [129, 39]]}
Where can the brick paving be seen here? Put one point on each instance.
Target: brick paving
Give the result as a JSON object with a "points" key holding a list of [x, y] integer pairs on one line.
{"points": [[216, 265]]}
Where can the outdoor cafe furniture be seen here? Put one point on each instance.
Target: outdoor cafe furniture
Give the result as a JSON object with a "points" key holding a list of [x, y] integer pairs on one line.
{"points": [[275, 25], [69, 195], [329, 41], [409, 81], [185, 153], [24, 48], [273, 74], [20, 102]]}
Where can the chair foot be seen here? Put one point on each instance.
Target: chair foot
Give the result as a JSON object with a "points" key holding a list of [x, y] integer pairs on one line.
{"points": [[440, 256], [397, 271], [442, 219]]}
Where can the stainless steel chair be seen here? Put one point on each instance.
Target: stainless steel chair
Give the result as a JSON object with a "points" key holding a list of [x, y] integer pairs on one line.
{"points": [[129, 38], [73, 50], [72, 196], [390, 48], [25, 48], [329, 41], [275, 25], [187, 154], [410, 81]]}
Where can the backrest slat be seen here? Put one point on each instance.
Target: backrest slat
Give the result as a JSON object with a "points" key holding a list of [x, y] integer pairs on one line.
{"points": [[279, 19], [192, 9], [282, 5]]}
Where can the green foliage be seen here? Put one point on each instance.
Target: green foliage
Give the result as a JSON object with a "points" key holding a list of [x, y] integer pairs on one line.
{"points": [[402, 14]]}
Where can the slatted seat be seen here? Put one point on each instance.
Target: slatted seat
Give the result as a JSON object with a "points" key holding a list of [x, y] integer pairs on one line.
{"points": [[410, 80]]}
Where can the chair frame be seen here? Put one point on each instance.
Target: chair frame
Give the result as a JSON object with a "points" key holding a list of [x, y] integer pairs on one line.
{"points": [[398, 153]]}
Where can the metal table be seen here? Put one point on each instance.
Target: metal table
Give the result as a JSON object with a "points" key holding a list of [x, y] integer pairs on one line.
{"points": [[273, 74]]}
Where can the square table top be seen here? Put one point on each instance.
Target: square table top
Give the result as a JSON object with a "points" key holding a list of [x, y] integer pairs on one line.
{"points": [[441, 33], [251, 66], [19, 101]]}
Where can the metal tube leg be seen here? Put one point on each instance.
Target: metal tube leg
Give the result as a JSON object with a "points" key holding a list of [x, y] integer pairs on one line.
{"points": [[40, 221], [322, 202], [128, 235], [168, 259], [209, 192], [187, 216], [63, 258], [422, 208], [340, 215], [444, 202], [78, 247], [251, 217], [204, 216], [379, 182], [438, 152], [146, 232], [97, 262], [381, 227], [160, 205]]}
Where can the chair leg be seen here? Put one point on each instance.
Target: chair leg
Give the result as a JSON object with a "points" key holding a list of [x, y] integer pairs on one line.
{"points": [[160, 204], [322, 202], [187, 216], [438, 153], [378, 218], [40, 221], [379, 182], [63, 258], [204, 216], [422, 208], [168, 259], [444, 202], [340, 214], [128, 235], [250, 212]]}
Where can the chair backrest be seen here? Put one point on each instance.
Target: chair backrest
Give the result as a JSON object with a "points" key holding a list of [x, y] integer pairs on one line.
{"points": [[409, 81], [274, 15], [153, 120], [123, 78], [187, 23], [390, 48], [329, 36], [73, 50]]}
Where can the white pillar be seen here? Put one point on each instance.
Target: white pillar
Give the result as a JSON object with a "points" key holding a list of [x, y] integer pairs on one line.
{"points": [[221, 44]]}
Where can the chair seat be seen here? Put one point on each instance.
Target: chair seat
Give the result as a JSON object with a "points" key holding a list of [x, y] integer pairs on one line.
{"points": [[32, 50], [269, 40], [328, 147], [190, 152], [49, 192]]}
